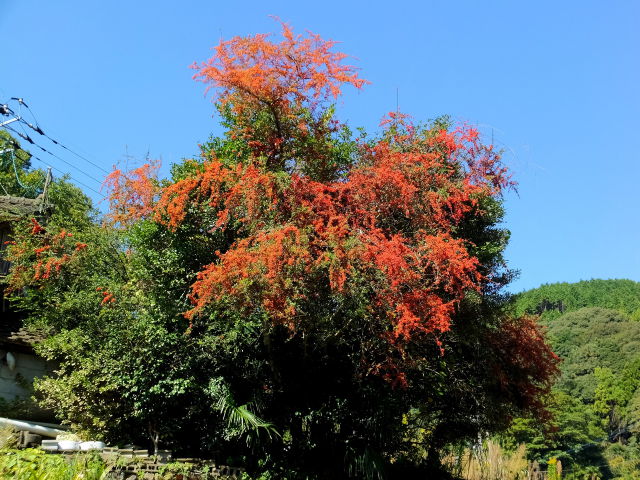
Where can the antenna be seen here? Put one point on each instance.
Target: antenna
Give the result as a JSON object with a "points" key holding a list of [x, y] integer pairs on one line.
{"points": [[127, 157]]}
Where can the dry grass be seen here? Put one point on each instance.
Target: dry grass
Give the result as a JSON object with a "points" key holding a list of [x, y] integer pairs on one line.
{"points": [[8, 437], [489, 462]]}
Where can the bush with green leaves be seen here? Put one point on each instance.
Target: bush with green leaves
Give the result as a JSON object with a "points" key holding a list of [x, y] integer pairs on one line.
{"points": [[32, 464]]}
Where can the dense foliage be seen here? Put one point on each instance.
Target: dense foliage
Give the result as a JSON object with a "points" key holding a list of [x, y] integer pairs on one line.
{"points": [[552, 300], [17, 177], [72, 209], [596, 400], [295, 299], [32, 464]]}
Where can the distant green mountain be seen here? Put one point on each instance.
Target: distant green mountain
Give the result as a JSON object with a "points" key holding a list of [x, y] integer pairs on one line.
{"points": [[594, 327], [590, 338], [554, 299]]}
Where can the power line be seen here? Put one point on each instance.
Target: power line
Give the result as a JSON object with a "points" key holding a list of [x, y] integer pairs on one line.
{"points": [[15, 171], [39, 130], [20, 101], [67, 173], [16, 145], [28, 139], [6, 110], [36, 128]]}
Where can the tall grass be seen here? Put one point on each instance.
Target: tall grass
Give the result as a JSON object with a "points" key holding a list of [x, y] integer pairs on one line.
{"points": [[489, 461], [8, 437]]}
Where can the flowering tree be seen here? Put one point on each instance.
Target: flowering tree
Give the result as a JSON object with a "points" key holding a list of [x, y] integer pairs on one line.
{"points": [[274, 97], [341, 297]]}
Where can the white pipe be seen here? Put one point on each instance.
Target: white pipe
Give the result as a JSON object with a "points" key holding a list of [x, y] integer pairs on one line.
{"points": [[31, 427], [52, 425]]}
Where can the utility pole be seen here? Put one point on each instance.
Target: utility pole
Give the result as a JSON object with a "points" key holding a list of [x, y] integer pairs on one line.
{"points": [[7, 122], [45, 189], [6, 111]]}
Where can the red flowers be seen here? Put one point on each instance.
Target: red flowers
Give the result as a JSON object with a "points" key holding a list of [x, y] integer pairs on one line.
{"points": [[37, 228], [43, 254], [107, 297], [292, 81], [387, 221], [132, 194], [392, 221], [298, 70]]}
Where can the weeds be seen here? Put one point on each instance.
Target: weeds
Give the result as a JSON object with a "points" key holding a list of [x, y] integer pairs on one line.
{"points": [[31, 464]]}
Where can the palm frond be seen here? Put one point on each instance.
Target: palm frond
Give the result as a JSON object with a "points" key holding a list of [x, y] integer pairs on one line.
{"points": [[239, 417]]}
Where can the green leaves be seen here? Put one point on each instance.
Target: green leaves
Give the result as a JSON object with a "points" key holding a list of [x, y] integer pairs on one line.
{"points": [[31, 464], [241, 420], [595, 401], [17, 177], [552, 300]]}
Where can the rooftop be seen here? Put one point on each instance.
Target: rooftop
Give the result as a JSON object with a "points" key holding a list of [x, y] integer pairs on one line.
{"points": [[11, 207], [14, 335]]}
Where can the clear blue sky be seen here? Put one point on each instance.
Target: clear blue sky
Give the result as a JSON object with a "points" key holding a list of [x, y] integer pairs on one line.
{"points": [[556, 83]]}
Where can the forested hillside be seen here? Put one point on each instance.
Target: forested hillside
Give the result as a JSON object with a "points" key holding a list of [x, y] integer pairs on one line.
{"points": [[592, 325], [554, 299]]}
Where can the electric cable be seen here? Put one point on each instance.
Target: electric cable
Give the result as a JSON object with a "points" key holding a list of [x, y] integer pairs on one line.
{"points": [[28, 139], [102, 196], [41, 132], [38, 129], [22, 185], [20, 101], [5, 109], [12, 154]]}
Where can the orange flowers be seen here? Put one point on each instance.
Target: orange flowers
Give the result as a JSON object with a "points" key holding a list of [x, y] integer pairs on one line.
{"points": [[387, 221], [43, 255], [298, 70], [392, 220], [37, 228], [107, 297], [291, 82], [132, 194]]}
